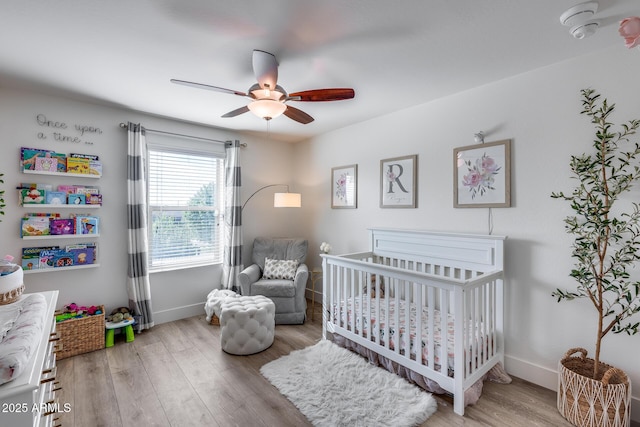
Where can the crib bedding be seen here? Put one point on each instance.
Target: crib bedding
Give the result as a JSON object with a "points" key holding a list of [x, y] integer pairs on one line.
{"points": [[471, 395], [379, 326], [497, 374], [21, 325]]}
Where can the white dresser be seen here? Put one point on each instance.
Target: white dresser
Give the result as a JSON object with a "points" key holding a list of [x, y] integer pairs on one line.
{"points": [[29, 399]]}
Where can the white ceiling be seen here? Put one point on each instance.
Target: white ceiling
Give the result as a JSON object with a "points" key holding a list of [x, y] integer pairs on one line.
{"points": [[395, 54]]}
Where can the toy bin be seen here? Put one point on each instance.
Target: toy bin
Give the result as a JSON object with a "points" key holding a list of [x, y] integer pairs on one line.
{"points": [[82, 335]]}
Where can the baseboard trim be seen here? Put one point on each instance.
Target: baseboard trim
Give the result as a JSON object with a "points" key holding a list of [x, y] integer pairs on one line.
{"points": [[177, 313], [548, 378]]}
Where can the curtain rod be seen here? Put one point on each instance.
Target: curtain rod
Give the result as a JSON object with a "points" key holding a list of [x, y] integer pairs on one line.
{"points": [[124, 126]]}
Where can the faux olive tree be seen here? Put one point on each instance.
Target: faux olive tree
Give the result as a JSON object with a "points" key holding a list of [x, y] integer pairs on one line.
{"points": [[607, 240]]}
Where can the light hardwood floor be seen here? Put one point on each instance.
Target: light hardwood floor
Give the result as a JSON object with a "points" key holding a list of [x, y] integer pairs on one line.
{"points": [[176, 375]]}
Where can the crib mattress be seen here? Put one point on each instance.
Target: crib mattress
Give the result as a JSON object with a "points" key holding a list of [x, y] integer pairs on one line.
{"points": [[379, 325]]}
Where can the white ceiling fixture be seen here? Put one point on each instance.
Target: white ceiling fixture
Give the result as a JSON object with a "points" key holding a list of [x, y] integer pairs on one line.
{"points": [[579, 18], [269, 98]]}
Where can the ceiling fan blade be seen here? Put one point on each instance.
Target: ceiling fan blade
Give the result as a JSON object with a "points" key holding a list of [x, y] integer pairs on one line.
{"points": [[208, 87], [237, 112], [317, 95], [265, 68], [297, 115]]}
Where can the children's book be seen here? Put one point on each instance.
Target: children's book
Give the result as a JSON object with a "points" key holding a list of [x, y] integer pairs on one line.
{"points": [[87, 190], [47, 258], [95, 167], [77, 165], [76, 199], [32, 196], [31, 256], [93, 199], [69, 189], [87, 224], [56, 197], [82, 254], [62, 258], [84, 156], [62, 226], [46, 164], [35, 226], [30, 156]]}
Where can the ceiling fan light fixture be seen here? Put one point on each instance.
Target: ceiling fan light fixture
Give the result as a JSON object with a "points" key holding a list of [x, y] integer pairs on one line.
{"points": [[267, 108], [579, 14], [585, 30], [273, 94]]}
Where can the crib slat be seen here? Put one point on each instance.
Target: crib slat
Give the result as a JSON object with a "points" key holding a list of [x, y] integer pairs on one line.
{"points": [[407, 319], [417, 344], [444, 331], [431, 342]]}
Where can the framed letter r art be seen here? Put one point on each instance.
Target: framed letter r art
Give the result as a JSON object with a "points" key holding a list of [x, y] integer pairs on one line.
{"points": [[398, 182]]}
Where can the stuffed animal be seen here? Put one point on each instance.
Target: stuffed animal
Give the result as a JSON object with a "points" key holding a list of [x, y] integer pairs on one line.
{"points": [[373, 287], [119, 314]]}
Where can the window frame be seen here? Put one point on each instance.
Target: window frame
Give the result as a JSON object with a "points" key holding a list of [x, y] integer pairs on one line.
{"points": [[182, 146]]}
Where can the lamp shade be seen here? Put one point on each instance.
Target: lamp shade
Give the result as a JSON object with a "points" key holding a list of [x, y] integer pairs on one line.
{"points": [[287, 200], [267, 108]]}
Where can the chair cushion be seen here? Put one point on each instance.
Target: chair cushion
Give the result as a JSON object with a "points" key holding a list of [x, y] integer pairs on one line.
{"points": [[280, 268], [274, 288], [278, 248]]}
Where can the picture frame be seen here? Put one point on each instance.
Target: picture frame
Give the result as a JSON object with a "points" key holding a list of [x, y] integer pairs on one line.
{"points": [[344, 187], [482, 175], [399, 182]]}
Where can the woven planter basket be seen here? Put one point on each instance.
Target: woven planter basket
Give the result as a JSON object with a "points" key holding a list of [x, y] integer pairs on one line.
{"points": [[586, 402]]}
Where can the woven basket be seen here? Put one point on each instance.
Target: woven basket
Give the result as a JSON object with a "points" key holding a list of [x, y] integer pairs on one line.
{"points": [[78, 336], [11, 286], [586, 402], [215, 320]]}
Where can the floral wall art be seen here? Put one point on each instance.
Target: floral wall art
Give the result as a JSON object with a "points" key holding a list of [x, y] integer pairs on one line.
{"points": [[344, 187], [482, 175]]}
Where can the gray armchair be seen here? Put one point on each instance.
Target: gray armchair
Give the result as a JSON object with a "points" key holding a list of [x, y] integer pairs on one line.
{"points": [[288, 294]]}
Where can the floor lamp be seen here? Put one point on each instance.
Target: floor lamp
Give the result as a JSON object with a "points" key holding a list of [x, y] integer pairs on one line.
{"points": [[280, 200]]}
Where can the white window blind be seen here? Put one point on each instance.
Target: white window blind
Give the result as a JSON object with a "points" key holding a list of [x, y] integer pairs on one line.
{"points": [[185, 204]]}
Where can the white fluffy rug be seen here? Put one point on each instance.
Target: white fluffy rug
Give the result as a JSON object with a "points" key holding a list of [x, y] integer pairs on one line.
{"points": [[334, 387]]}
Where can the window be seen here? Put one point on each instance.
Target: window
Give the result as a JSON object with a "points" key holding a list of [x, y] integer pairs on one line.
{"points": [[185, 203]]}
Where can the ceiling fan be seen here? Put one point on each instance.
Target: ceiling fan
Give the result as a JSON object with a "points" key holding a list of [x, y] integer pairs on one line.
{"points": [[269, 100]]}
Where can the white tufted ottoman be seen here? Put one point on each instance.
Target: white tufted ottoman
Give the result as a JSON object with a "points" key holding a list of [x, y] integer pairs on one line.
{"points": [[247, 324]]}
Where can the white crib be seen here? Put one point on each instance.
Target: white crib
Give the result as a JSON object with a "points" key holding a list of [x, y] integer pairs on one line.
{"points": [[444, 279]]}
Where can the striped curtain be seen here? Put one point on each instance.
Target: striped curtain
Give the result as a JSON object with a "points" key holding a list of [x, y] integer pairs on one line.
{"points": [[232, 262], [138, 286]]}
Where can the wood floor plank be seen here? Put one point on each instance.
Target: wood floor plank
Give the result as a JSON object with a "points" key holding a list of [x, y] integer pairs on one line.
{"points": [[176, 374], [65, 376], [95, 402], [122, 357], [137, 401], [178, 398]]}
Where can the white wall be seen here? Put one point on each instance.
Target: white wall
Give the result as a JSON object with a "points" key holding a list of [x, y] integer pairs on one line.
{"points": [[539, 112], [175, 294]]}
